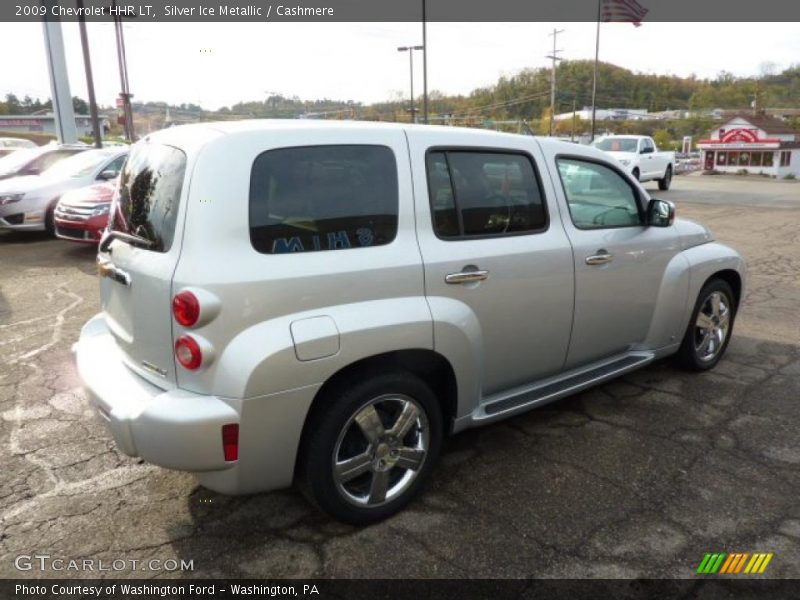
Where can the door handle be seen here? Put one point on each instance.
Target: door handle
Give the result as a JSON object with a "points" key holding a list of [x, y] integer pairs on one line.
{"points": [[106, 268], [601, 258], [466, 276]]}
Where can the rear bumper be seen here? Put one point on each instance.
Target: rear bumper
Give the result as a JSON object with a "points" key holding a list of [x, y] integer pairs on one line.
{"points": [[173, 428]]}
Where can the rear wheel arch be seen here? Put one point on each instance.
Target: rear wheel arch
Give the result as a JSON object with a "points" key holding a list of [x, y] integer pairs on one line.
{"points": [[431, 367]]}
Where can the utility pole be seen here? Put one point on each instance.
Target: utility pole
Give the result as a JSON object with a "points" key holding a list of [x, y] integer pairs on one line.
{"points": [[410, 50], [555, 59], [756, 104], [273, 98], [424, 63], [596, 62], [87, 65], [572, 137]]}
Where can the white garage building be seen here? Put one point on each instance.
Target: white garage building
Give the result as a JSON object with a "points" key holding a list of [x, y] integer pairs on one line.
{"points": [[754, 143]]}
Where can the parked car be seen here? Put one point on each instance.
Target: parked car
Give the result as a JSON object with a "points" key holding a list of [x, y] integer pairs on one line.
{"points": [[34, 161], [82, 215], [28, 203], [641, 157], [9, 145], [324, 302]]}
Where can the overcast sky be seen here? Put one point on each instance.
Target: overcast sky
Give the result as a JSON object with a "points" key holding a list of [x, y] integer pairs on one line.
{"points": [[218, 64]]}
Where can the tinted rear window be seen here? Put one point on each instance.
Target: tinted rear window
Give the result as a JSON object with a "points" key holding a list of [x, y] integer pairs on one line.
{"points": [[323, 198], [149, 194]]}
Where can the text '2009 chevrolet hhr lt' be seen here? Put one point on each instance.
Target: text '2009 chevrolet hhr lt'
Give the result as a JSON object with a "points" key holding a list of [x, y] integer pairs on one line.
{"points": [[322, 303]]}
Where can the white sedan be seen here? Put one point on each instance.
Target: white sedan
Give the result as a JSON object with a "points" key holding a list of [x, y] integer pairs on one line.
{"points": [[27, 203]]}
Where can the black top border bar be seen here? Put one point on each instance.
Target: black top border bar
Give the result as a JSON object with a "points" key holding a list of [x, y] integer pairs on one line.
{"points": [[185, 11]]}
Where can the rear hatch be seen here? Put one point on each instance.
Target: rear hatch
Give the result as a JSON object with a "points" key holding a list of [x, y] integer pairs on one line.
{"points": [[138, 263]]}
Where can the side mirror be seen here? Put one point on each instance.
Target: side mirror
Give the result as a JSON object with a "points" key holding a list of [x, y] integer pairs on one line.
{"points": [[660, 213], [107, 175]]}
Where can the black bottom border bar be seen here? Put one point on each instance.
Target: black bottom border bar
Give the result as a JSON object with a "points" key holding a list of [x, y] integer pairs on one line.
{"points": [[403, 589]]}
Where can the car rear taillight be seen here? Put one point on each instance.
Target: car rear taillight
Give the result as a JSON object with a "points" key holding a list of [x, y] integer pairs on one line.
{"points": [[186, 308], [230, 441], [188, 352]]}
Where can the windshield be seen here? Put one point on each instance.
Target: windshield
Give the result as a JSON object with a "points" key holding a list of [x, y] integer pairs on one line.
{"points": [[149, 194], [79, 165], [617, 144], [13, 162]]}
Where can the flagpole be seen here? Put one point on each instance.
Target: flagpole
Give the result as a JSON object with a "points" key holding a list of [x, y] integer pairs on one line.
{"points": [[596, 59]]}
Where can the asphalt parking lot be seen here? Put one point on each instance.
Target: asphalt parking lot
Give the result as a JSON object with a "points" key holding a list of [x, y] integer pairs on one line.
{"points": [[637, 478]]}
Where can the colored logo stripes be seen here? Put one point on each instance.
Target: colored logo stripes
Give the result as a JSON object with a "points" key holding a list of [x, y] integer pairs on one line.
{"points": [[734, 563]]}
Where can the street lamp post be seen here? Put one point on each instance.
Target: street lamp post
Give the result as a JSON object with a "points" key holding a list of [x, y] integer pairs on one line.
{"points": [[410, 50], [125, 94]]}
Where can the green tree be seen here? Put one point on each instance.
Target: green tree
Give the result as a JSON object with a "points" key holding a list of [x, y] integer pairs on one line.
{"points": [[662, 138]]}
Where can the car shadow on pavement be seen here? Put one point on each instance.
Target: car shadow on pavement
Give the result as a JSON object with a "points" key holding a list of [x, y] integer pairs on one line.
{"points": [[632, 478], [23, 249]]}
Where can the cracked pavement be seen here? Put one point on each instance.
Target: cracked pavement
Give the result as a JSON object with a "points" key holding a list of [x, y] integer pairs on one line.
{"points": [[636, 478]]}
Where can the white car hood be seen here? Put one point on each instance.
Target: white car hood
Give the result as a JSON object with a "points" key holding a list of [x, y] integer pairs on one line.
{"points": [[622, 155], [24, 183], [36, 185]]}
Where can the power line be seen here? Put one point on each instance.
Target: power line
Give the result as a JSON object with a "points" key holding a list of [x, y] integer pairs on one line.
{"points": [[520, 100]]}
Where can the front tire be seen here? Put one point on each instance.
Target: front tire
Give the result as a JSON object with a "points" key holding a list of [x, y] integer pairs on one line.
{"points": [[710, 327], [666, 181], [50, 220], [370, 446], [635, 174]]}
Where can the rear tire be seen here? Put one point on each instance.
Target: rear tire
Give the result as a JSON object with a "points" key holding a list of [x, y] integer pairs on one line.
{"points": [[710, 327], [369, 446], [666, 181]]}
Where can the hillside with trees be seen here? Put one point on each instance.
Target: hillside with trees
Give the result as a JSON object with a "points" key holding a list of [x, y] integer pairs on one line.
{"points": [[524, 96]]}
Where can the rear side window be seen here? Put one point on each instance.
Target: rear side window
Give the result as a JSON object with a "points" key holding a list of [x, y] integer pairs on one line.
{"points": [[474, 193], [323, 198], [149, 194]]}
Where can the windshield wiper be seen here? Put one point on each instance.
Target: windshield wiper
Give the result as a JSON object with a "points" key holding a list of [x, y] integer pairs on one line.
{"points": [[125, 237]]}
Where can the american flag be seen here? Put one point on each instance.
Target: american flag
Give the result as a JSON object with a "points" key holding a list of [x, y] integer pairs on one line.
{"points": [[624, 11]]}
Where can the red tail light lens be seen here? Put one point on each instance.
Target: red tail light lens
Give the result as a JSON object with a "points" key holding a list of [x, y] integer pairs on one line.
{"points": [[230, 441], [186, 308], [188, 353]]}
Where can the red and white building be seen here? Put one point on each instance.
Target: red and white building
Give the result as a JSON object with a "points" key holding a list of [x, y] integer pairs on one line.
{"points": [[754, 143]]}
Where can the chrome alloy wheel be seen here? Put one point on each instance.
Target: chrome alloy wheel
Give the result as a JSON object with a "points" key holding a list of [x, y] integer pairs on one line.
{"points": [[712, 326], [380, 450]]}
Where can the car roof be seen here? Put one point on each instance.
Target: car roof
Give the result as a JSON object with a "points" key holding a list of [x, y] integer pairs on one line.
{"points": [[197, 134]]}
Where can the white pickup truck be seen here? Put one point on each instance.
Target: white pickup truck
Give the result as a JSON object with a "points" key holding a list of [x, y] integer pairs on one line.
{"points": [[641, 157]]}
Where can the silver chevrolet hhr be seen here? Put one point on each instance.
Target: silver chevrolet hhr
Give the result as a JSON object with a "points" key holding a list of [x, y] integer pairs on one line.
{"points": [[322, 303]]}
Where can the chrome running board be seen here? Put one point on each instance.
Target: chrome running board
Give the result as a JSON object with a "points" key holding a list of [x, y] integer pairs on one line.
{"points": [[525, 398]]}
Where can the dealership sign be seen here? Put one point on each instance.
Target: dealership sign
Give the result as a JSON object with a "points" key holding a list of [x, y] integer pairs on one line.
{"points": [[739, 139], [739, 135]]}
